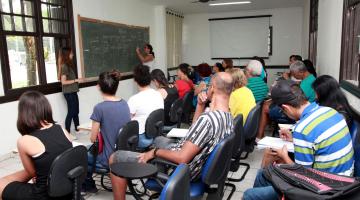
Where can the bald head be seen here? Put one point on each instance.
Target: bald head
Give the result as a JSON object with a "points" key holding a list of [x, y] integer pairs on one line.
{"points": [[223, 83]]}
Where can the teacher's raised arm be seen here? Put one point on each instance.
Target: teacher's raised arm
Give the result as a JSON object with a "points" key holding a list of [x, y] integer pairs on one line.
{"points": [[148, 57]]}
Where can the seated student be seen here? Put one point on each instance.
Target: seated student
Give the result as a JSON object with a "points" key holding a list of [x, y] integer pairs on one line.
{"points": [[242, 99], [255, 83], [264, 74], [321, 139], [299, 71], [208, 130], [328, 93], [41, 142], [169, 94], [108, 118], [227, 63], [217, 68], [144, 102], [293, 58], [184, 84], [204, 72]]}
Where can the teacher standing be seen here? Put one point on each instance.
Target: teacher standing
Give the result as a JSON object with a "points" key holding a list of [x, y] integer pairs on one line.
{"points": [[70, 86], [148, 58]]}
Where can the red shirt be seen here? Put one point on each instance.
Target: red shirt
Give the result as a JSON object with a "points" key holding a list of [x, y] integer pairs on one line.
{"points": [[183, 87]]}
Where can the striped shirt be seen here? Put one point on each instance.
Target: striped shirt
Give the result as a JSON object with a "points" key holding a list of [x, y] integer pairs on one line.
{"points": [[322, 141], [206, 133], [258, 87]]}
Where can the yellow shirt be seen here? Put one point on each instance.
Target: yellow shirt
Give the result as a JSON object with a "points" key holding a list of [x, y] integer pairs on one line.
{"points": [[241, 102]]}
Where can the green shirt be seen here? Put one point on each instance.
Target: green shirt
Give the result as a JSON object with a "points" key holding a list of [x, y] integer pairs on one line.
{"points": [[306, 86], [258, 87], [70, 75]]}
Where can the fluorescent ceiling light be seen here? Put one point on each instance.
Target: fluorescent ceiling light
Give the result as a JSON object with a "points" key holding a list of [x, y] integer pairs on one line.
{"points": [[229, 3]]}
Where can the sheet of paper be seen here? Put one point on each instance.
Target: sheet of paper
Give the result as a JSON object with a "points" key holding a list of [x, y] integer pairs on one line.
{"points": [[177, 133], [275, 143], [287, 126]]}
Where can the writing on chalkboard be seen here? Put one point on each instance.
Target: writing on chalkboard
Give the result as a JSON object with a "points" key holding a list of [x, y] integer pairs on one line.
{"points": [[107, 45]]}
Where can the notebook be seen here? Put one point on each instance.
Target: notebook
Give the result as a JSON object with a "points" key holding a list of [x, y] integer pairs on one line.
{"points": [[274, 143], [177, 133]]}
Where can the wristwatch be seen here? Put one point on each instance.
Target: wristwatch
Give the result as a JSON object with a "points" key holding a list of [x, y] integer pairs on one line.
{"points": [[155, 150]]}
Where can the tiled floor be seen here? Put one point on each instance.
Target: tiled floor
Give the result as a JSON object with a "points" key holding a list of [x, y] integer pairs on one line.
{"points": [[13, 164]]}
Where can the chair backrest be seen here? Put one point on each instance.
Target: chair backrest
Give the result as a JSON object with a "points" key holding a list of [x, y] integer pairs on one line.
{"points": [[74, 161], [217, 165], [355, 133], [251, 126], [187, 106], [128, 137], [176, 111], [178, 185], [154, 124], [239, 134]]}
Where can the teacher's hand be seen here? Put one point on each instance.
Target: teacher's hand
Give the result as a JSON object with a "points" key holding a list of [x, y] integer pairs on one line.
{"points": [[137, 50]]}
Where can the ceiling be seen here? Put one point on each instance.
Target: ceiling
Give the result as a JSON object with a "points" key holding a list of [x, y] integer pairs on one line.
{"points": [[186, 7]]}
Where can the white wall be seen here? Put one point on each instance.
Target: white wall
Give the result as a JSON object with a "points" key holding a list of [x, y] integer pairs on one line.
{"points": [[131, 12], [287, 35], [329, 37]]}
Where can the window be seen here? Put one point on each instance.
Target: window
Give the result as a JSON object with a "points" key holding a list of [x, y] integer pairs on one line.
{"points": [[350, 55], [31, 33], [314, 7]]}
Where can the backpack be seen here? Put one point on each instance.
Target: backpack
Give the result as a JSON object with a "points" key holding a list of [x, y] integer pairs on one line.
{"points": [[296, 182]]}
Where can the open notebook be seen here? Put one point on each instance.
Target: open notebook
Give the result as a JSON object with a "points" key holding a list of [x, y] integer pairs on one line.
{"points": [[177, 133], [275, 143]]}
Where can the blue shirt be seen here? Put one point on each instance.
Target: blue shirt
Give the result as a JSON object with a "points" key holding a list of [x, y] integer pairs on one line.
{"points": [[112, 116], [322, 141]]}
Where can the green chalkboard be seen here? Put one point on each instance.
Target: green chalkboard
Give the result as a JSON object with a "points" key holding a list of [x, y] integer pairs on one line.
{"points": [[107, 45]]}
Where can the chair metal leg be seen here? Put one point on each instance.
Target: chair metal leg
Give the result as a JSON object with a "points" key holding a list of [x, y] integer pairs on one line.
{"points": [[77, 189], [245, 157], [103, 183], [233, 189], [247, 167]]}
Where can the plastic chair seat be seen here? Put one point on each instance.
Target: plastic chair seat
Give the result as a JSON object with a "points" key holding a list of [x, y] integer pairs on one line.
{"points": [[102, 170]]}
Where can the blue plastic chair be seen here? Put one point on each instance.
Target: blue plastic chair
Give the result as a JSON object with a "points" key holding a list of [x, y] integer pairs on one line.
{"points": [[177, 187]]}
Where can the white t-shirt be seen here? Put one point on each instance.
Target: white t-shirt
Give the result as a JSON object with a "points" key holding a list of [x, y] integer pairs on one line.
{"points": [[142, 104], [150, 64]]}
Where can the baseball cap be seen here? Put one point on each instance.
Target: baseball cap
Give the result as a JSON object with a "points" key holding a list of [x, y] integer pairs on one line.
{"points": [[281, 93]]}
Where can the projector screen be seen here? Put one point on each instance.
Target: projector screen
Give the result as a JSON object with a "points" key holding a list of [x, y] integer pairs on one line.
{"points": [[239, 38]]}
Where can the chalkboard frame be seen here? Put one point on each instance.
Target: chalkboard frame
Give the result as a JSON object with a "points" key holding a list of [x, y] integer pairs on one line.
{"points": [[86, 19]]}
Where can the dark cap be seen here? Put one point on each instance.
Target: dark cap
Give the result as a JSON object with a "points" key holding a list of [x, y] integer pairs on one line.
{"points": [[281, 93]]}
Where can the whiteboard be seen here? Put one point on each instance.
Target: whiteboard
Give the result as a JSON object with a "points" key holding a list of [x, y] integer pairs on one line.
{"points": [[242, 37]]}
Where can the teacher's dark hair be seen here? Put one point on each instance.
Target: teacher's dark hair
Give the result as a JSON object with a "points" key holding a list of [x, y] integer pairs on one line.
{"points": [[149, 46], [64, 55], [33, 109], [142, 75], [109, 82], [159, 76]]}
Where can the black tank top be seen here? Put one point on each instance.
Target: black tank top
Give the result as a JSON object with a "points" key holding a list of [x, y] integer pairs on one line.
{"points": [[172, 95], [55, 143]]}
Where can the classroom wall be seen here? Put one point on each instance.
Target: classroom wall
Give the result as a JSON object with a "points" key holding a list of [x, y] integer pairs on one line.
{"points": [[287, 35], [306, 29], [329, 42], [131, 12], [329, 37]]}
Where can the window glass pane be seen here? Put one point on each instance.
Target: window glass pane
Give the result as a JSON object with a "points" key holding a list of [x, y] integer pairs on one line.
{"points": [[58, 2], [5, 6], [50, 59], [55, 26], [46, 25], [28, 8], [57, 12], [6, 20], [30, 24], [44, 11], [22, 60], [19, 25], [16, 6]]}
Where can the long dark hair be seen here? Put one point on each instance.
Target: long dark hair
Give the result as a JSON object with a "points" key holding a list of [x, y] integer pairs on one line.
{"points": [[64, 56], [151, 49], [159, 76], [329, 94], [33, 109], [184, 68], [109, 82], [310, 67]]}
